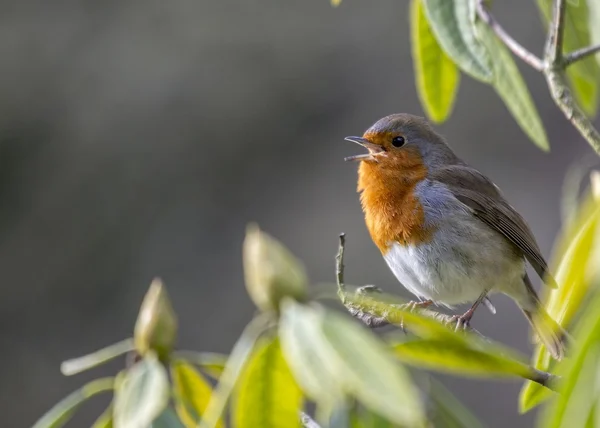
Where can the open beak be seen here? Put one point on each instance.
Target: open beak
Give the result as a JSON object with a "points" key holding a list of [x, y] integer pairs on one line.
{"points": [[371, 147]]}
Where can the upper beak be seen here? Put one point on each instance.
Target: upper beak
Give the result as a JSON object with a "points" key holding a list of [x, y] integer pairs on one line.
{"points": [[371, 147]]}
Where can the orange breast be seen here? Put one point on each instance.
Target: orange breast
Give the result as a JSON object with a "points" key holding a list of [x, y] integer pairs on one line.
{"points": [[393, 213]]}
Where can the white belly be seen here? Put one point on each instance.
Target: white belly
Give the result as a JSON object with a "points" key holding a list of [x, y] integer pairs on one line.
{"points": [[453, 269]]}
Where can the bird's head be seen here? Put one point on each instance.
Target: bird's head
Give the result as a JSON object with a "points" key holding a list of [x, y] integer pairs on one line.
{"points": [[401, 143]]}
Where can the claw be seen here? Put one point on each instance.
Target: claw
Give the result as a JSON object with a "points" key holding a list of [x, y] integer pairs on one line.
{"points": [[411, 306]]}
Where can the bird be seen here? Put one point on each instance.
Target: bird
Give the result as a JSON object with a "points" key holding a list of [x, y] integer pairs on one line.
{"points": [[445, 229]]}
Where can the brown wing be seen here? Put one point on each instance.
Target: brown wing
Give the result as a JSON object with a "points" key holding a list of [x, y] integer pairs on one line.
{"points": [[487, 203]]}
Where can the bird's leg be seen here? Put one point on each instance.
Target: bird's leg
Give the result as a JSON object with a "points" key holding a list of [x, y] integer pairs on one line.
{"points": [[412, 305], [462, 321]]}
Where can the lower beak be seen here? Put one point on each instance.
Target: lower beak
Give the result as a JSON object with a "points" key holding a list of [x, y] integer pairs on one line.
{"points": [[371, 147]]}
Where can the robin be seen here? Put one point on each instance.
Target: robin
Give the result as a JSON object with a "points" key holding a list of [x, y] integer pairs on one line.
{"points": [[443, 228]]}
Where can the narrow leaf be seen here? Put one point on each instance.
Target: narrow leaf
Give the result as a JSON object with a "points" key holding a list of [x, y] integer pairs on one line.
{"points": [[78, 365], [437, 77], [60, 414], [142, 395], [267, 395], [460, 358], [191, 392], [453, 28], [511, 88]]}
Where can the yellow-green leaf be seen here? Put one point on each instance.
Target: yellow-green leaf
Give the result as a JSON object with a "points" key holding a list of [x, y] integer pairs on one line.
{"points": [[453, 28], [267, 394], [142, 395], [580, 388], [60, 414], [584, 75], [437, 77], [577, 252], [486, 360], [191, 392], [511, 88]]}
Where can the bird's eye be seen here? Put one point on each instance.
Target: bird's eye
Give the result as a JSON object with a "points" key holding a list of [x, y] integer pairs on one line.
{"points": [[398, 141]]}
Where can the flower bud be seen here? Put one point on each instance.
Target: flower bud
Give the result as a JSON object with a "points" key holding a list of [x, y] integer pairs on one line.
{"points": [[156, 326], [271, 271]]}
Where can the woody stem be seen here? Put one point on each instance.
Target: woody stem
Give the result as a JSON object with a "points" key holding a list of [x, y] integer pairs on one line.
{"points": [[553, 66]]}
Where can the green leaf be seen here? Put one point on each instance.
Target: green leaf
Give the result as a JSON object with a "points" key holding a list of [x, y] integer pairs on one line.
{"points": [[267, 395], [191, 392], [105, 420], [448, 412], [237, 359], [453, 28], [60, 414], [577, 249], [437, 77], [584, 75], [142, 395], [78, 365], [211, 363], [580, 388], [307, 353], [358, 363], [485, 360], [511, 88], [368, 369], [167, 419]]}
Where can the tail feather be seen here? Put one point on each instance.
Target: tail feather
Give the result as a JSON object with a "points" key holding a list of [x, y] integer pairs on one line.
{"points": [[548, 331]]}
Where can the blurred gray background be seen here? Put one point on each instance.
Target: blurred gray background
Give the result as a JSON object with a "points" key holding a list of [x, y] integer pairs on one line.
{"points": [[138, 138]]}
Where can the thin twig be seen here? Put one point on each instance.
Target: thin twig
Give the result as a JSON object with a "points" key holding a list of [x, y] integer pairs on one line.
{"points": [[307, 421], [580, 54], [554, 42], [339, 267], [515, 47]]}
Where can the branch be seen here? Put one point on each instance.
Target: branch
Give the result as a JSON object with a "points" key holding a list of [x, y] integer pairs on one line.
{"points": [[374, 313], [515, 47], [580, 54], [557, 82], [554, 43], [553, 66]]}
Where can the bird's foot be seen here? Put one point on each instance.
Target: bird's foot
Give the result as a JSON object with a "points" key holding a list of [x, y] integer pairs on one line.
{"points": [[462, 322], [411, 306]]}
